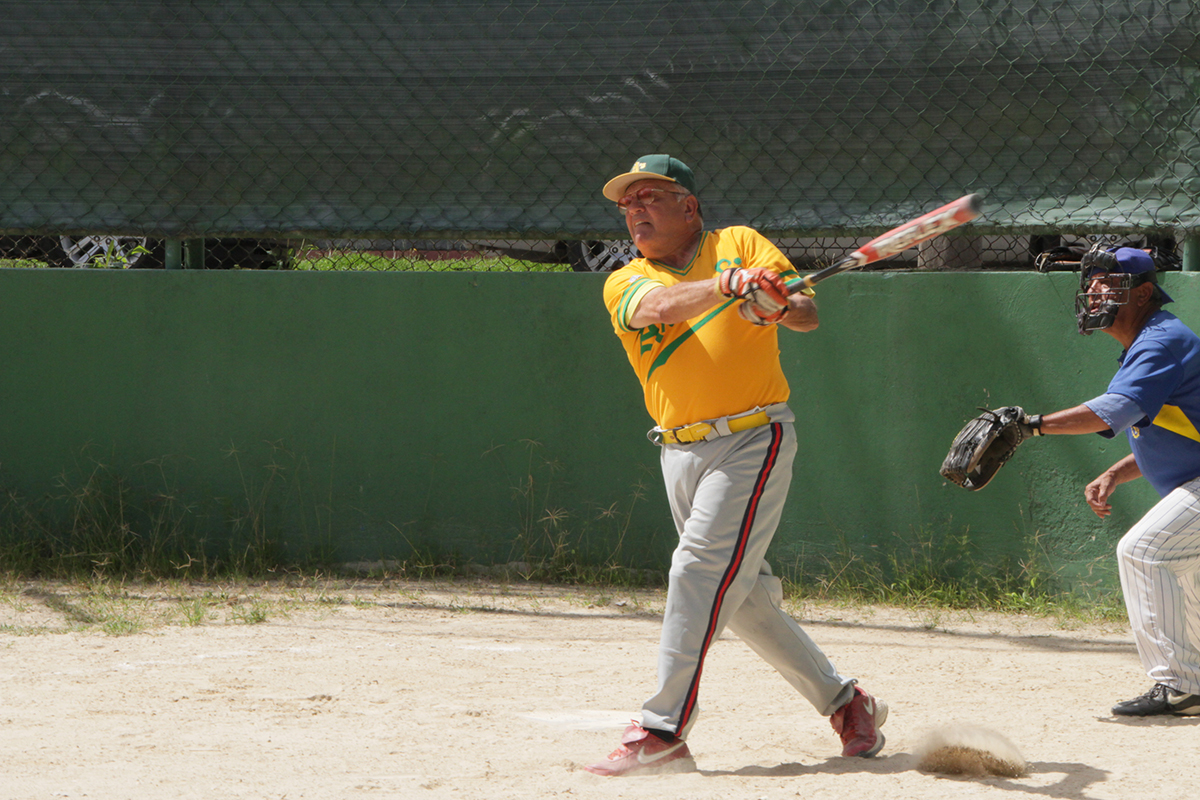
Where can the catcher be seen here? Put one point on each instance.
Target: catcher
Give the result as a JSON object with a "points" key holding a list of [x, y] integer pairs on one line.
{"points": [[1155, 399]]}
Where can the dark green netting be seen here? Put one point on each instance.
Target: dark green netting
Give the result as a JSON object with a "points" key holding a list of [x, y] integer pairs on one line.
{"points": [[454, 119]]}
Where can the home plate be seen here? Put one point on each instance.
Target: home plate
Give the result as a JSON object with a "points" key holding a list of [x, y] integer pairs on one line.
{"points": [[582, 720]]}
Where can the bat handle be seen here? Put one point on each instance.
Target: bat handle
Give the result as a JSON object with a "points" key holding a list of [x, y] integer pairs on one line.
{"points": [[807, 283], [801, 285]]}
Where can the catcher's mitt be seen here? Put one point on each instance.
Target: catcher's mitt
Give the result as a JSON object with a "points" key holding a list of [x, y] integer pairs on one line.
{"points": [[985, 443]]}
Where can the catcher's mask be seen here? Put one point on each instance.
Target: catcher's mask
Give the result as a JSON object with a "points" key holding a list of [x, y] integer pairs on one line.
{"points": [[1121, 269]]}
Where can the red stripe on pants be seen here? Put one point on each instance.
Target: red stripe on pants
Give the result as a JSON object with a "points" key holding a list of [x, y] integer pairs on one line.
{"points": [[735, 564]]}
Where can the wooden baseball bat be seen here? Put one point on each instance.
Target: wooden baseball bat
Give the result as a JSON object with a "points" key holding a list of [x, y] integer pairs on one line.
{"points": [[898, 239]]}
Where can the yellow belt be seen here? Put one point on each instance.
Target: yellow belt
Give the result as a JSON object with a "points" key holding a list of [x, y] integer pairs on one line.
{"points": [[701, 431]]}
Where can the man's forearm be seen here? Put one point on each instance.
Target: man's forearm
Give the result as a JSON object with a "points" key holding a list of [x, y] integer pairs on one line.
{"points": [[1079, 419], [802, 314], [673, 304], [1125, 470]]}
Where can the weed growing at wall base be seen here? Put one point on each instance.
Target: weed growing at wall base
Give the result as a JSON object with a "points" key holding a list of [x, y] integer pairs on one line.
{"points": [[104, 523], [942, 568], [558, 544], [103, 526]]}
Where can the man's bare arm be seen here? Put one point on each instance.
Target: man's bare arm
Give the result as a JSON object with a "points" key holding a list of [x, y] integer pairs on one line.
{"points": [[802, 314], [1079, 419], [1098, 491], [669, 305]]}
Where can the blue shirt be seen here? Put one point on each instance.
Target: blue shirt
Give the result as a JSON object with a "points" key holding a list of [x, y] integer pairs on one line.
{"points": [[1155, 399]]}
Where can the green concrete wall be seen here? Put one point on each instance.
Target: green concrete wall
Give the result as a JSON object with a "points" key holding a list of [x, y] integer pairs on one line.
{"points": [[366, 415]]}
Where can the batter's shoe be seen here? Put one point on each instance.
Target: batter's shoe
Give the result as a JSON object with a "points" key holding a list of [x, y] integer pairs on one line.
{"points": [[642, 751], [858, 723], [1161, 699]]}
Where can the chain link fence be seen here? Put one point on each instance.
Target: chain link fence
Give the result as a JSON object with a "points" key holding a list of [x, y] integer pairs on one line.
{"points": [[447, 134]]}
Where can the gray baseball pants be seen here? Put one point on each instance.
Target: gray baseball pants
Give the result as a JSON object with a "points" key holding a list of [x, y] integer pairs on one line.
{"points": [[1159, 560], [727, 498]]}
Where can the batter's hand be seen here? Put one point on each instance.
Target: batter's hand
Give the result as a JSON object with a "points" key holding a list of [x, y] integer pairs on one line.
{"points": [[1097, 493], [757, 315], [760, 286]]}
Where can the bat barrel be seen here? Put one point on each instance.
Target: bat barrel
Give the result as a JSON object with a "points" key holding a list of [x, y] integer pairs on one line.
{"points": [[921, 229]]}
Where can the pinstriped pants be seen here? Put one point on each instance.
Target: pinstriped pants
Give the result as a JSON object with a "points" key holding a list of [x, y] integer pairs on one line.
{"points": [[727, 499], [1159, 560]]}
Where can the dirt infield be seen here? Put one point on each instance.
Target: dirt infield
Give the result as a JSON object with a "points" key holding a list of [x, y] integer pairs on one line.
{"points": [[472, 691]]}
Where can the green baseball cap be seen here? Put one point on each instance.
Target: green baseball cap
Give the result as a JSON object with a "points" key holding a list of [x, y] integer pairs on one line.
{"points": [[659, 166]]}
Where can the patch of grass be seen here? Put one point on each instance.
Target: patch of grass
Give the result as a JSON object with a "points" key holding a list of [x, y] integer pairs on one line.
{"points": [[121, 608], [103, 606], [122, 626], [109, 529], [554, 544], [194, 612], [424, 562], [366, 261], [250, 614], [104, 523], [942, 568]]}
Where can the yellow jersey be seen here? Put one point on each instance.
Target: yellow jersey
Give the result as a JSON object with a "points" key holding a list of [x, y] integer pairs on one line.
{"points": [[712, 365]]}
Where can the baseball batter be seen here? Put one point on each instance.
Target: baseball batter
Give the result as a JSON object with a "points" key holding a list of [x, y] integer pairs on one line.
{"points": [[698, 316], [1155, 399]]}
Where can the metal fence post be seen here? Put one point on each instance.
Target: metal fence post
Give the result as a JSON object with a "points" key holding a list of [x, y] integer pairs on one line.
{"points": [[1191, 254], [193, 254], [173, 258]]}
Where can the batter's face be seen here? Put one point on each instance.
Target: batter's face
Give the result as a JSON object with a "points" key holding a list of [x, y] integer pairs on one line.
{"points": [[665, 225]]}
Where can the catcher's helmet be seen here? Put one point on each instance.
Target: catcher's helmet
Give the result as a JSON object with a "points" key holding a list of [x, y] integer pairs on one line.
{"points": [[1125, 267]]}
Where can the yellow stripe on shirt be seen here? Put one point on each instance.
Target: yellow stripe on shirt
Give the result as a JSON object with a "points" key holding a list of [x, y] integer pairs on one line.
{"points": [[714, 364], [1173, 419]]}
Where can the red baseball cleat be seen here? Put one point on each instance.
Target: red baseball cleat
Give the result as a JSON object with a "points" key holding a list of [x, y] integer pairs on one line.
{"points": [[641, 750], [858, 723]]}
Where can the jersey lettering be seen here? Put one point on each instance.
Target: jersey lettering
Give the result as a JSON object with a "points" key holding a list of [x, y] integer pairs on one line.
{"points": [[649, 336], [715, 363]]}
